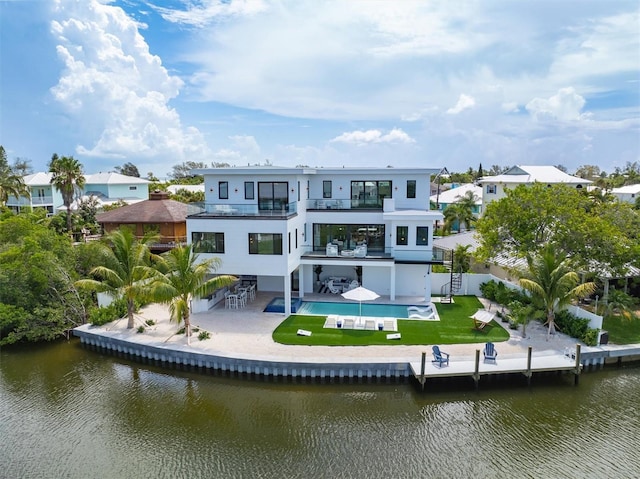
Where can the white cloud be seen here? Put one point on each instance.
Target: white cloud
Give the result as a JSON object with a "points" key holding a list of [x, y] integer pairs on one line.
{"points": [[464, 103], [566, 105], [360, 137], [117, 87], [207, 11]]}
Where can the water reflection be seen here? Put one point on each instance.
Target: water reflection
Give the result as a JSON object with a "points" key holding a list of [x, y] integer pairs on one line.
{"points": [[70, 412]]}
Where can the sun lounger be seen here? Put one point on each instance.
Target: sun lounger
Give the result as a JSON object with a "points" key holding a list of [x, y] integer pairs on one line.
{"points": [[331, 321], [389, 325], [349, 323], [370, 325]]}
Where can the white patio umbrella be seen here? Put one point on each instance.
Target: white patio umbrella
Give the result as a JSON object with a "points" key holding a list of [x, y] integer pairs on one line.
{"points": [[360, 294]]}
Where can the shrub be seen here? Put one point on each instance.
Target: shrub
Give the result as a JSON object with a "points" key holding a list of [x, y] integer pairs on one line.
{"points": [[488, 290], [571, 325], [590, 338], [150, 322], [204, 335], [140, 329], [180, 331], [116, 310]]}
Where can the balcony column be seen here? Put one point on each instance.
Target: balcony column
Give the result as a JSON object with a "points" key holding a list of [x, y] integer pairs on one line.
{"points": [[287, 295], [392, 286], [427, 285], [301, 271]]}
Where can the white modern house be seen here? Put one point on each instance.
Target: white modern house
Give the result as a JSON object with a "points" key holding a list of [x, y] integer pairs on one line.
{"points": [[107, 188], [280, 226], [494, 187], [629, 193]]}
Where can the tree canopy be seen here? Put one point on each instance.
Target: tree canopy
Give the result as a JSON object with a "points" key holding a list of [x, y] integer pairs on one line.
{"points": [[597, 235], [67, 177], [11, 181], [128, 169]]}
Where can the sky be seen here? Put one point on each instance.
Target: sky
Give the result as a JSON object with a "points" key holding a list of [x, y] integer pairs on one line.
{"points": [[321, 83]]}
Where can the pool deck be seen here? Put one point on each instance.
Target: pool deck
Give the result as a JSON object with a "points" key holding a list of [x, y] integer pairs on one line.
{"points": [[241, 341]]}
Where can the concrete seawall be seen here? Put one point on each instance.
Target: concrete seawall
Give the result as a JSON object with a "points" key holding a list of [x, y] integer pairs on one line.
{"points": [[308, 369]]}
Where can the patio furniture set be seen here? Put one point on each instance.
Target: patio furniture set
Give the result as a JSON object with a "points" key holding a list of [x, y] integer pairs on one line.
{"points": [[366, 323], [239, 298], [338, 285]]}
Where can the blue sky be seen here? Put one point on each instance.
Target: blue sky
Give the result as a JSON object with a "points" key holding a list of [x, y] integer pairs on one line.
{"points": [[321, 83]]}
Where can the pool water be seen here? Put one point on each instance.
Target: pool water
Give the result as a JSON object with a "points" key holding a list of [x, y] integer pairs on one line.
{"points": [[353, 309]]}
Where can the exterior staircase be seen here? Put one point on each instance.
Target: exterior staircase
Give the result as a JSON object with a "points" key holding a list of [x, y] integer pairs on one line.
{"points": [[448, 290]]}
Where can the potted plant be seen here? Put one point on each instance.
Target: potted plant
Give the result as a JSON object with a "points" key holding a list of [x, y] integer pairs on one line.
{"points": [[359, 273], [317, 270]]}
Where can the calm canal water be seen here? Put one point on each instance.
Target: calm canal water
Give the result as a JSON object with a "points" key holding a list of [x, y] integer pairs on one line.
{"points": [[70, 412]]}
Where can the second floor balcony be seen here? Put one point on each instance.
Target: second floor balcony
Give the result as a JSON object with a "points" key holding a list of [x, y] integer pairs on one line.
{"points": [[33, 201], [242, 210], [375, 203]]}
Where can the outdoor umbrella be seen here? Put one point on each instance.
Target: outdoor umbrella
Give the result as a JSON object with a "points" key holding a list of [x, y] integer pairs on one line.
{"points": [[360, 294]]}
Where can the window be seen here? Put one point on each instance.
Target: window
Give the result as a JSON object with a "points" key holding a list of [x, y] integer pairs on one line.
{"points": [[298, 191], [265, 243], [326, 189], [492, 189], [223, 190], [369, 194], [422, 236], [133, 188], [296, 238], [411, 188], [402, 235], [348, 236], [289, 241], [273, 195], [207, 242], [249, 193]]}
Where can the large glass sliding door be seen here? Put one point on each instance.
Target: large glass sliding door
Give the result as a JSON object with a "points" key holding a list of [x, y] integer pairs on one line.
{"points": [[348, 236], [369, 194], [273, 195]]}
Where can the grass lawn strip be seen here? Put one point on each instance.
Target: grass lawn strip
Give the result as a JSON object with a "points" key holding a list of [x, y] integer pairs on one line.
{"points": [[455, 327], [621, 330]]}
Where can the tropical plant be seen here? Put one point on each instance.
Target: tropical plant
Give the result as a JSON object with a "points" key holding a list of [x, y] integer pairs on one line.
{"points": [[11, 182], [620, 304], [552, 283], [184, 278], [67, 176], [461, 211], [462, 258], [126, 270], [523, 313]]}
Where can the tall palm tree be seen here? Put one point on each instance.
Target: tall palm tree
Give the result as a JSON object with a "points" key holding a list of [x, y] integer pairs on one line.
{"points": [[552, 283], [461, 211], [126, 271], [67, 177], [185, 278], [11, 182]]}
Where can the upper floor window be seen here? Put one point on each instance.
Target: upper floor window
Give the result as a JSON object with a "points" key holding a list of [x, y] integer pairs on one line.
{"points": [[249, 193], [207, 242], [273, 195], [133, 188], [265, 243], [402, 235], [369, 194], [411, 188], [422, 235], [223, 190], [326, 189], [492, 189]]}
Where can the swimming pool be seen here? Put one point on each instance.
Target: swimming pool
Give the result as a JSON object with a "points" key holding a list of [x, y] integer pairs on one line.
{"points": [[342, 309]]}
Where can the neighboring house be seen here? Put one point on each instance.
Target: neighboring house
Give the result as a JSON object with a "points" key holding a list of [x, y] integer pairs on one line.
{"points": [[107, 188], [494, 187], [158, 215], [173, 189], [629, 193], [448, 197], [280, 224]]}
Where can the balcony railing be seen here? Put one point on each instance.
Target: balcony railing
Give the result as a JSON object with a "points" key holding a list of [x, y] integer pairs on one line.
{"points": [[282, 210], [336, 204], [34, 201], [405, 255]]}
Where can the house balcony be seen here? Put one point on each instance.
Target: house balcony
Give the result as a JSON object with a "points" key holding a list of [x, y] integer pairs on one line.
{"points": [[404, 256], [374, 204], [268, 209], [34, 201]]}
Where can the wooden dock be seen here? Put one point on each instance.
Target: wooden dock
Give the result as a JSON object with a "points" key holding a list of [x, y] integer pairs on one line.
{"points": [[526, 365]]}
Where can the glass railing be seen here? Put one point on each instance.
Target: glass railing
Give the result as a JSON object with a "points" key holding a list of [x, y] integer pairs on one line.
{"points": [[335, 204], [426, 255], [35, 201], [228, 209]]}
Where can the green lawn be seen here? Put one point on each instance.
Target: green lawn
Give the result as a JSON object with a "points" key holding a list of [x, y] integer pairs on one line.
{"points": [[622, 331], [455, 327]]}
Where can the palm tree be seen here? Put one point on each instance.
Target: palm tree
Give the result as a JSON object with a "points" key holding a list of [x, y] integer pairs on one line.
{"points": [[126, 271], [461, 211], [186, 278], [552, 283], [67, 176], [11, 183]]}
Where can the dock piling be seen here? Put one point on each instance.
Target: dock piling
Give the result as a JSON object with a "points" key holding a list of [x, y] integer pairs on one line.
{"points": [[422, 368]]}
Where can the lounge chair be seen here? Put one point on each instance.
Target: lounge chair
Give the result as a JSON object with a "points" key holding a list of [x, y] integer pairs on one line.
{"points": [[370, 324], [352, 285], [333, 288], [389, 325], [417, 312], [440, 357], [331, 321], [490, 353], [349, 323]]}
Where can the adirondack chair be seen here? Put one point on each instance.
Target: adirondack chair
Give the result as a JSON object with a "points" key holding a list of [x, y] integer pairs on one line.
{"points": [[440, 357], [490, 353]]}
